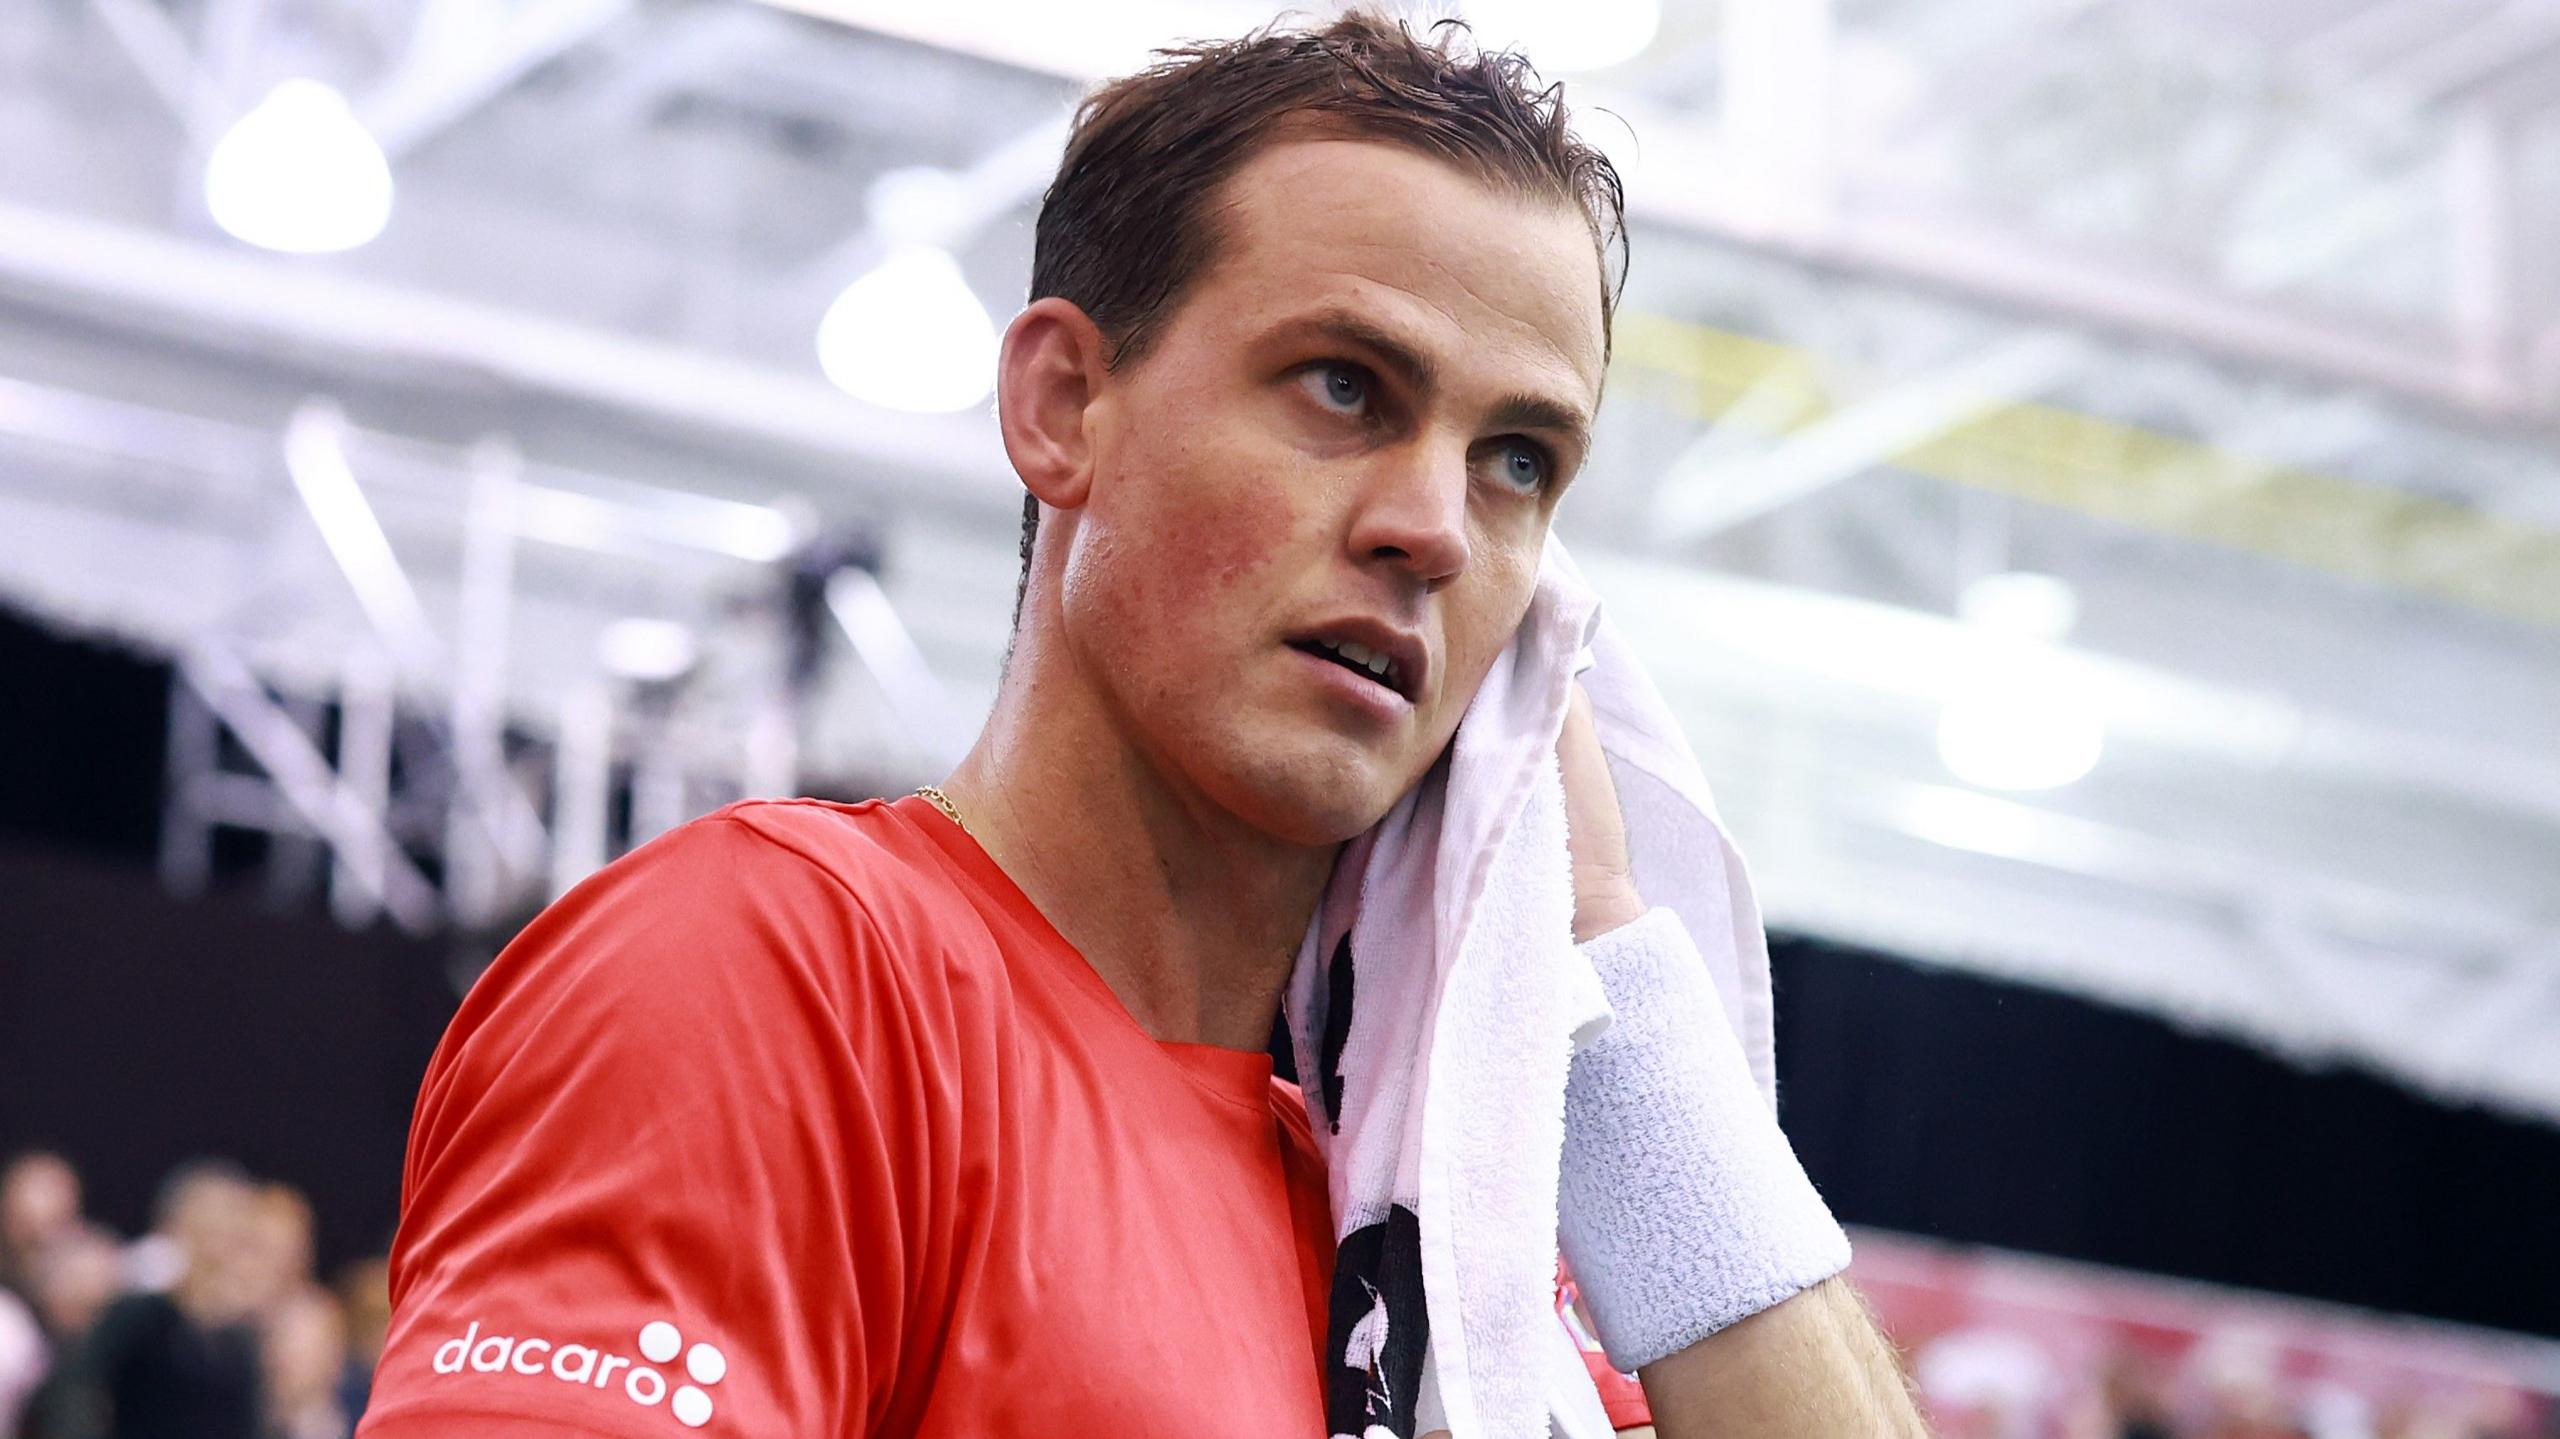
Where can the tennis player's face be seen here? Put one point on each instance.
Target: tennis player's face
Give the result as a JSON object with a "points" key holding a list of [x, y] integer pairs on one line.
{"points": [[1319, 499]]}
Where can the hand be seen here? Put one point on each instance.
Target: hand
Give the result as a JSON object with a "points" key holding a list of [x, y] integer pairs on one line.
{"points": [[1604, 879]]}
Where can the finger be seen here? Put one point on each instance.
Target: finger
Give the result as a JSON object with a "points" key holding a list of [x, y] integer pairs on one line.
{"points": [[1595, 832]]}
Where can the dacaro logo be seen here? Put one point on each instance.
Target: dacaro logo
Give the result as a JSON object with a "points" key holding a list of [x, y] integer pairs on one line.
{"points": [[660, 1343]]}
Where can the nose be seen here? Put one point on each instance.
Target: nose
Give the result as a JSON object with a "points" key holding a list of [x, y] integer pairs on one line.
{"points": [[1413, 515]]}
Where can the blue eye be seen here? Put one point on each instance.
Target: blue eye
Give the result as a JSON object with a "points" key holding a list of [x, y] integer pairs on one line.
{"points": [[1341, 388], [1524, 466]]}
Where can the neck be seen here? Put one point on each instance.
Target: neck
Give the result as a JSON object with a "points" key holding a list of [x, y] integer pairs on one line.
{"points": [[1191, 916]]}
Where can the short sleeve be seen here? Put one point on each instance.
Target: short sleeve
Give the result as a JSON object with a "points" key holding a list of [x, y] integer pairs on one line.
{"points": [[651, 1179]]}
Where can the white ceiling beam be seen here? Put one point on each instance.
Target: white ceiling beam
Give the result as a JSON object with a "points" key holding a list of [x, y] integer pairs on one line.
{"points": [[1073, 42], [1722, 634], [2450, 61], [326, 801], [2481, 243], [963, 202], [315, 459], [1681, 187], [152, 41], [1775, 121], [2001, 827], [273, 305], [1706, 498], [2374, 32], [447, 76], [2311, 239], [887, 649]]}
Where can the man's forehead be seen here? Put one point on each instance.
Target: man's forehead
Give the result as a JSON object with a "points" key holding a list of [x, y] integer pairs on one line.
{"points": [[1327, 213]]}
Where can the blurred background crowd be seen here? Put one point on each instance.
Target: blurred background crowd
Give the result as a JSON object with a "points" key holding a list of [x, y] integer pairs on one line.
{"points": [[212, 1324], [2005, 1346], [215, 1323], [2085, 475]]}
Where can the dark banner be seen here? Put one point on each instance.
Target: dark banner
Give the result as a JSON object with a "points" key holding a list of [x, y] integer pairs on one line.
{"points": [[1932, 1101], [138, 1031]]}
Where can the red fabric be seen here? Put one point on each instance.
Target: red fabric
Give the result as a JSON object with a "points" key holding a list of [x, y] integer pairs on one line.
{"points": [[1621, 1394], [815, 1086]]}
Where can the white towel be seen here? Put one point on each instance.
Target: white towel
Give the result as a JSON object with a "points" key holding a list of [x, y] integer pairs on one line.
{"points": [[1436, 1009]]}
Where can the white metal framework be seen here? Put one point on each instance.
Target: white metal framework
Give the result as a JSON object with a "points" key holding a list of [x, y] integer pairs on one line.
{"points": [[2244, 321]]}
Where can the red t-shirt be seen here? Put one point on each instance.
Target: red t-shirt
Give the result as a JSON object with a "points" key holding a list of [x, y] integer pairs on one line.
{"points": [[801, 1121]]}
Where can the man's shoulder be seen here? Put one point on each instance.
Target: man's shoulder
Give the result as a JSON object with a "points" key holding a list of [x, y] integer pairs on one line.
{"points": [[753, 852], [877, 860], [854, 845], [759, 894]]}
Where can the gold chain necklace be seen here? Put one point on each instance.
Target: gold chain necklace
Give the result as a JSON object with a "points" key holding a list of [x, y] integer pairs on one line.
{"points": [[942, 802]]}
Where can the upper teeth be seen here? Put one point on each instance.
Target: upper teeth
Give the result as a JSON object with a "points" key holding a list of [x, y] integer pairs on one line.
{"points": [[1361, 655]]}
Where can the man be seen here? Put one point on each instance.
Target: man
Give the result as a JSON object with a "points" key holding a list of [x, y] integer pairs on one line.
{"points": [[952, 1116], [184, 1363], [39, 1198]]}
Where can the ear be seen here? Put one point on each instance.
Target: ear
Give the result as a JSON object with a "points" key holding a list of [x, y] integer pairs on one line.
{"points": [[1047, 380]]}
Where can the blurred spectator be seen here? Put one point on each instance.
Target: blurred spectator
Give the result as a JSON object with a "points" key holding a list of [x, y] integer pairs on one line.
{"points": [[2243, 1389], [277, 1258], [39, 1206], [39, 1198], [306, 1355], [1984, 1384], [184, 1364], [2137, 1405], [74, 1278], [364, 1296], [200, 1187], [2457, 1416], [23, 1358]]}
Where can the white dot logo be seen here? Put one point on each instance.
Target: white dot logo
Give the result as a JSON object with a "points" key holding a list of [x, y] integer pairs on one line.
{"points": [[534, 1357], [660, 1342]]}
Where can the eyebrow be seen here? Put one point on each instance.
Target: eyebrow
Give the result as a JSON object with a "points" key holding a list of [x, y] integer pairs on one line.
{"points": [[1420, 372]]}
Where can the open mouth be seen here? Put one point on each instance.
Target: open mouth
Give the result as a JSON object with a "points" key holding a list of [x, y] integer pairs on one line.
{"points": [[1378, 669]]}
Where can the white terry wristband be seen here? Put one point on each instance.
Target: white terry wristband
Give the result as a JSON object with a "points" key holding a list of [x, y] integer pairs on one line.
{"points": [[1682, 1207]]}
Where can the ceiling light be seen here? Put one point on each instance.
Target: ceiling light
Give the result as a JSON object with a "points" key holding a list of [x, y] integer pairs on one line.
{"points": [[910, 336], [1561, 39], [2021, 604], [646, 651], [298, 173], [2018, 718], [2021, 727]]}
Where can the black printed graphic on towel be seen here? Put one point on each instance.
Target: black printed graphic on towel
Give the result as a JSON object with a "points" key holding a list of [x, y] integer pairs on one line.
{"points": [[1337, 1028], [1377, 1329]]}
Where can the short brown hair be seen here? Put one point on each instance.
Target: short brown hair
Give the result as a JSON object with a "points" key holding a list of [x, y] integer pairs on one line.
{"points": [[1128, 223]]}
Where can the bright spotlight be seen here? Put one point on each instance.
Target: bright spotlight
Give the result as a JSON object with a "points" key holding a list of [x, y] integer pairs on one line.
{"points": [[910, 336], [2021, 720], [2021, 603], [1560, 39], [646, 651], [298, 173], [2021, 728]]}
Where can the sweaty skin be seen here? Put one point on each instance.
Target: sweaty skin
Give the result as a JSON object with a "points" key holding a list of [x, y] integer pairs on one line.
{"points": [[1363, 412], [1164, 774]]}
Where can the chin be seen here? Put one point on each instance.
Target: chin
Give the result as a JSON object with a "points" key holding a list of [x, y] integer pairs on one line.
{"points": [[1310, 799]]}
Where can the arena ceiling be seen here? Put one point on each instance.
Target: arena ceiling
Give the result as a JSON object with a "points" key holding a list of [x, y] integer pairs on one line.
{"points": [[2242, 321]]}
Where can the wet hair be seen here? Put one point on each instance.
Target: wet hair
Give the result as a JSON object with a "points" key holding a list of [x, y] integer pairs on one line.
{"points": [[1131, 221]]}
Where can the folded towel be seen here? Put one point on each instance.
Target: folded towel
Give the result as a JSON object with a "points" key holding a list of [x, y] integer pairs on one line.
{"points": [[1436, 1009]]}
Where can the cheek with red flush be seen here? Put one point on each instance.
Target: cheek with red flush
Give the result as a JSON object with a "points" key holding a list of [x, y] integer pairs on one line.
{"points": [[1236, 534], [1206, 545]]}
